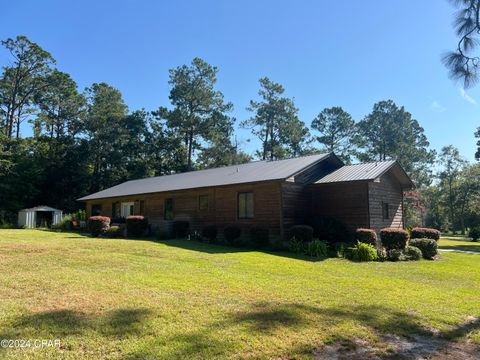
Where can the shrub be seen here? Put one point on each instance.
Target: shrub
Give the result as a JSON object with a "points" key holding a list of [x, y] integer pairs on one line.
{"points": [[180, 228], [136, 225], [362, 252], [425, 233], [395, 255], [317, 248], [330, 230], [394, 238], [259, 236], [302, 233], [366, 236], [232, 235], [210, 232], [296, 246], [98, 225], [113, 232], [428, 247], [413, 253], [474, 233]]}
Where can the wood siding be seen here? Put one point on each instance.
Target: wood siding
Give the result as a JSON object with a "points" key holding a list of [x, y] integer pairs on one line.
{"points": [[222, 207], [346, 202], [389, 191]]}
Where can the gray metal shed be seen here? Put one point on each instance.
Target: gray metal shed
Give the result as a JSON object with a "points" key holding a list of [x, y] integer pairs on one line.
{"points": [[39, 216]]}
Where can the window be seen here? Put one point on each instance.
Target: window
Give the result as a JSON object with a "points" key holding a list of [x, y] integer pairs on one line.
{"points": [[203, 202], [245, 205], [127, 209], [96, 209], [168, 209], [385, 211], [142, 207]]}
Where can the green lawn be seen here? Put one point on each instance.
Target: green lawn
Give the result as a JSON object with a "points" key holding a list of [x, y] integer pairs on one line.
{"points": [[128, 299]]}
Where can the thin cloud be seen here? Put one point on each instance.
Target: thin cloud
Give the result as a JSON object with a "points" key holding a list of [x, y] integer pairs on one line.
{"points": [[437, 107], [467, 97]]}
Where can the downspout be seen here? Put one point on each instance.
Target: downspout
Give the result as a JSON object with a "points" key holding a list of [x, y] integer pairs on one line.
{"points": [[368, 205], [281, 212]]}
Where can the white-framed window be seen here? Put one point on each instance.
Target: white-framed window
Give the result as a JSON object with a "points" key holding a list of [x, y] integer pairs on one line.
{"points": [[127, 209]]}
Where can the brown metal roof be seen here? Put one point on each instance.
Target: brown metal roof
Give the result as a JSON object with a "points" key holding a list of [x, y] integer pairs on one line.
{"points": [[228, 175], [367, 171]]}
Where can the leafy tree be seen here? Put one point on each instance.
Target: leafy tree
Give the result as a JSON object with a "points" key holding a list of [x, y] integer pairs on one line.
{"points": [[199, 111], [61, 107], [21, 81], [452, 164], [336, 128], [276, 123], [390, 132], [462, 63], [105, 132]]}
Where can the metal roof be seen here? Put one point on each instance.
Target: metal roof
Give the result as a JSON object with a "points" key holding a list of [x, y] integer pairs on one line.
{"points": [[235, 174], [365, 171]]}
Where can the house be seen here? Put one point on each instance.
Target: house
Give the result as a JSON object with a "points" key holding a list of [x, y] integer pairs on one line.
{"points": [[273, 194]]}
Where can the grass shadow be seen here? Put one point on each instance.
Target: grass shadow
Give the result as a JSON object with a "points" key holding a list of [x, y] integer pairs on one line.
{"points": [[211, 248]]}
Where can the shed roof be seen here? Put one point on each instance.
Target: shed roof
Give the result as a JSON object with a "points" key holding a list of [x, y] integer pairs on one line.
{"points": [[41, 208], [367, 171], [228, 175]]}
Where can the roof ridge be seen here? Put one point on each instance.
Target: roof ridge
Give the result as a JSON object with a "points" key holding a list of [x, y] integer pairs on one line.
{"points": [[226, 166], [370, 162]]}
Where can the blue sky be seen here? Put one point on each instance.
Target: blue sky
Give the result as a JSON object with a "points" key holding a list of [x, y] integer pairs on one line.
{"points": [[325, 53]]}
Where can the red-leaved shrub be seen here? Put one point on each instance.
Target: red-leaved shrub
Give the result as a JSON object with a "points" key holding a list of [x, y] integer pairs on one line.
{"points": [[394, 238], [136, 225], [98, 225], [366, 236], [425, 233]]}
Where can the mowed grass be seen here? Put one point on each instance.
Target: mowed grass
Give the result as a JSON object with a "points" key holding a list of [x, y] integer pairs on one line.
{"points": [[128, 299]]}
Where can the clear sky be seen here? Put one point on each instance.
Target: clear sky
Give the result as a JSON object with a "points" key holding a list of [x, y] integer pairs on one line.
{"points": [[326, 53]]}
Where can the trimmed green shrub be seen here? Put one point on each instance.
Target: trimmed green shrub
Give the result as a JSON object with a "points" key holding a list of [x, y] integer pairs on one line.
{"points": [[394, 238], [366, 236], [395, 255], [317, 248], [210, 233], [232, 235], [296, 246], [302, 233], [331, 230], [113, 232], [136, 225], [425, 233], [362, 252], [428, 247], [98, 225], [259, 236], [180, 228], [474, 233], [413, 253]]}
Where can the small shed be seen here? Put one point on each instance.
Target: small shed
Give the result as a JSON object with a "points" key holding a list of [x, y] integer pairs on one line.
{"points": [[39, 216]]}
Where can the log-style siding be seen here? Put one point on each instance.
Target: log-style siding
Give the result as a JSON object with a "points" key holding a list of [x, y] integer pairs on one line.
{"points": [[222, 207], [347, 202], [386, 191], [278, 205]]}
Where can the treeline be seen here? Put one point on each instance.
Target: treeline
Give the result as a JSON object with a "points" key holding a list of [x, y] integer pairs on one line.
{"points": [[85, 141]]}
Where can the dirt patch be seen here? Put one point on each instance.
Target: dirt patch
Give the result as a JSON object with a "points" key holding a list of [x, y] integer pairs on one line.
{"points": [[416, 347]]}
